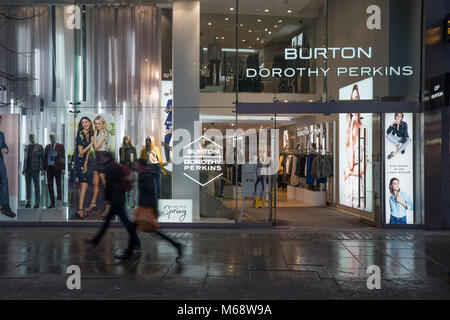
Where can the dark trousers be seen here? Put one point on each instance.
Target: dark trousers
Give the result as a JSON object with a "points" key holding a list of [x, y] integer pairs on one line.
{"points": [[4, 193], [119, 209], [51, 175], [162, 235], [213, 64], [31, 174]]}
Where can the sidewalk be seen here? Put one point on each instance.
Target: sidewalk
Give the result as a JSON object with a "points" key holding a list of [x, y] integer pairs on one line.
{"points": [[227, 264]]}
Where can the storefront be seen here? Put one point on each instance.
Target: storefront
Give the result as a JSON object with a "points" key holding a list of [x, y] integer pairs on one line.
{"points": [[246, 108]]}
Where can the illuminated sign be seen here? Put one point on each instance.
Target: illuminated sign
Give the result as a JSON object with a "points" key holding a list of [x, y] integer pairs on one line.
{"points": [[344, 53]]}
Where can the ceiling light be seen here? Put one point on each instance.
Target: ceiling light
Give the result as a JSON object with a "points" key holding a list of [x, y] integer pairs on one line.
{"points": [[223, 38], [209, 23], [266, 29], [241, 25], [249, 47], [270, 32], [257, 39], [289, 11], [259, 20], [226, 19], [231, 9], [243, 40], [217, 37], [249, 30], [280, 21], [267, 10], [275, 26]]}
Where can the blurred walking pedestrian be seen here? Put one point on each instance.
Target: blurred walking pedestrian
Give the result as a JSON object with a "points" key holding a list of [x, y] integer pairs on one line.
{"points": [[148, 200], [118, 181]]}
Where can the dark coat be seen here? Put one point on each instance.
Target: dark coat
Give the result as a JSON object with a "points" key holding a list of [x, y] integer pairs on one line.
{"points": [[147, 189], [113, 192]]}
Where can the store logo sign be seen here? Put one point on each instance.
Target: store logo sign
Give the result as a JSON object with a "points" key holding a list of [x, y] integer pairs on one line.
{"points": [[203, 157], [301, 133]]}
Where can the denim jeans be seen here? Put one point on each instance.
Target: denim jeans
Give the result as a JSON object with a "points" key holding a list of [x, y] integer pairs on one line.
{"points": [[31, 174], [4, 192], [395, 220], [397, 140]]}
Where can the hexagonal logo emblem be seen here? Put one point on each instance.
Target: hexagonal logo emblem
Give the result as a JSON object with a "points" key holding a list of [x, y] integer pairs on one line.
{"points": [[203, 161]]}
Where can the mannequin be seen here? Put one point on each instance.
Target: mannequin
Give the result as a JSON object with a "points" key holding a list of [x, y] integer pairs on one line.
{"points": [[32, 165], [127, 157], [168, 131], [214, 58], [4, 191], [54, 165], [152, 155]]}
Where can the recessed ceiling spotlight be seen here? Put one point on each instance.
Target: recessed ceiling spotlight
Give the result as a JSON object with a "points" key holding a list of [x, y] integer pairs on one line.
{"points": [[275, 26], [257, 39], [266, 29], [243, 40], [267, 10], [249, 30], [249, 47], [231, 9], [209, 23], [217, 37], [280, 21], [226, 19], [259, 20], [289, 11], [241, 25], [270, 32], [223, 38]]}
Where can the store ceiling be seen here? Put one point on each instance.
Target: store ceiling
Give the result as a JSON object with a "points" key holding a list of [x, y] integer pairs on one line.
{"points": [[256, 27]]}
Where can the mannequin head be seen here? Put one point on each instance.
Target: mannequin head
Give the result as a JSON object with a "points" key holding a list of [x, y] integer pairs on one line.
{"points": [[126, 142], [32, 138], [53, 137], [149, 143]]}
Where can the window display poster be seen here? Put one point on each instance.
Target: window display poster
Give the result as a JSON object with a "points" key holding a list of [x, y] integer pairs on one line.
{"points": [[252, 181], [399, 168], [355, 153], [285, 139], [89, 138], [9, 137]]}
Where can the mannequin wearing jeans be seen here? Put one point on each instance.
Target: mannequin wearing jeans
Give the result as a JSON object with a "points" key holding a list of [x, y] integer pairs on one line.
{"points": [[152, 155]]}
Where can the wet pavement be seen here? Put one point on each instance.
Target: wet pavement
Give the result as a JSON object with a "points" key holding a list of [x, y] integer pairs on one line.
{"points": [[227, 264]]}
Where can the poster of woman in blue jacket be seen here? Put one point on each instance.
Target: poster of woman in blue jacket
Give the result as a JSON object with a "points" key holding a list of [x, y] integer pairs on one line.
{"points": [[399, 203]]}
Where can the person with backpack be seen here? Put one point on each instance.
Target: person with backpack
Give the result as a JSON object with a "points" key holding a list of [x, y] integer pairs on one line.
{"points": [[148, 200], [119, 180]]}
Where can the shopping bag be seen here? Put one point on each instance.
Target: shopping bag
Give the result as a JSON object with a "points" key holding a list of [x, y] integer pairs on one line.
{"points": [[146, 220]]}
